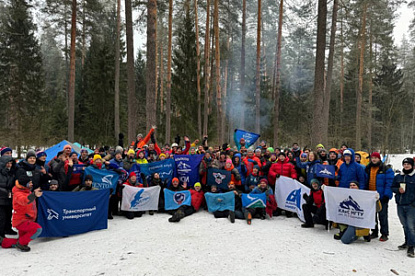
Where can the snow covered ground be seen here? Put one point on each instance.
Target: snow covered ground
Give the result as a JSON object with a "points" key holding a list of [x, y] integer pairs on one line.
{"points": [[203, 245]]}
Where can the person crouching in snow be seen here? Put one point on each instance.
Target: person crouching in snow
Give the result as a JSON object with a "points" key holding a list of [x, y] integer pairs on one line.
{"points": [[198, 196], [24, 216], [184, 210], [263, 187], [237, 213], [132, 181], [314, 205]]}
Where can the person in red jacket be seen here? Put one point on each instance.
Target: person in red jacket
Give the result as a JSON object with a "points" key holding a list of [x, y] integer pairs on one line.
{"points": [[314, 205], [281, 167], [198, 196], [250, 161], [73, 179], [24, 216]]}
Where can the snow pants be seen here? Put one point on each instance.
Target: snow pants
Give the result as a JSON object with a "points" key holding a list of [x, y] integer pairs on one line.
{"points": [[28, 231]]}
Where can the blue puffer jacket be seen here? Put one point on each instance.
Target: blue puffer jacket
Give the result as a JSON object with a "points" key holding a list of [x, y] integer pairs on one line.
{"points": [[351, 172], [384, 179], [407, 198], [310, 168], [241, 167]]}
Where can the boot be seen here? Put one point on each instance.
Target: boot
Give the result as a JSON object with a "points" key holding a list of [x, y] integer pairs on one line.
{"points": [[11, 232], [305, 225], [374, 235], [232, 216], [410, 252], [383, 238], [367, 238], [403, 246], [25, 248], [248, 217], [151, 213]]}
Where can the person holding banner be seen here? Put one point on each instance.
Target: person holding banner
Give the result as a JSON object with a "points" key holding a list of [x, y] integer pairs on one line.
{"points": [[132, 181], [252, 180], [86, 186], [314, 205], [73, 179], [281, 167], [183, 210], [263, 187], [350, 171], [25, 212], [198, 196], [404, 188], [235, 177], [207, 162], [250, 161], [309, 166]]}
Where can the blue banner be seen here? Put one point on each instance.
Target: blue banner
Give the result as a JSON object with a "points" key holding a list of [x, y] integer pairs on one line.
{"points": [[250, 138], [164, 168], [78, 168], [103, 179], [220, 202], [173, 200], [187, 168], [64, 213], [220, 178], [325, 171], [254, 200]]}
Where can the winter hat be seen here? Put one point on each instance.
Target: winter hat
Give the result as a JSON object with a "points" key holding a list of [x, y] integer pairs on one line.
{"points": [[175, 179], [333, 150], [314, 180], [320, 146], [256, 167], [89, 177], [223, 153], [375, 154], [263, 180], [40, 154], [358, 154], [96, 157], [132, 174], [24, 180], [119, 150], [229, 161], [84, 150], [130, 151], [197, 184], [53, 182], [347, 152], [270, 149], [304, 155], [174, 145], [249, 150], [162, 154], [3, 150], [72, 153], [281, 153], [409, 161], [59, 154], [139, 151], [30, 153], [67, 147], [140, 135], [258, 150]]}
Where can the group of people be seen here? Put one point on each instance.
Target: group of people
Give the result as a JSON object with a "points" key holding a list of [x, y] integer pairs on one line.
{"points": [[253, 170]]}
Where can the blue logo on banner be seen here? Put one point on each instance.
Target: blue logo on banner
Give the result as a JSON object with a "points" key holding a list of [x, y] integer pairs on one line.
{"points": [[349, 204], [173, 200], [254, 200], [249, 137], [187, 168], [325, 171], [64, 213], [220, 202], [294, 199], [164, 168], [103, 179]]}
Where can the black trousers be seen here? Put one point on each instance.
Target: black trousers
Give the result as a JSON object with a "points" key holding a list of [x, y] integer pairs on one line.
{"points": [[5, 219]]}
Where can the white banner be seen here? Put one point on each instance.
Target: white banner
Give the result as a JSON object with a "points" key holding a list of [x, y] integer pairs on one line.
{"points": [[289, 195], [351, 206], [140, 199]]}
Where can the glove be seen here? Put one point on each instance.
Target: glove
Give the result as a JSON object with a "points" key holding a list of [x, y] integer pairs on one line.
{"points": [[305, 196], [277, 175], [385, 199]]}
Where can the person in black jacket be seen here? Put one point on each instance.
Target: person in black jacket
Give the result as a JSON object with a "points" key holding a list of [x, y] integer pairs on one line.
{"points": [[238, 213], [28, 167], [184, 210], [7, 171]]}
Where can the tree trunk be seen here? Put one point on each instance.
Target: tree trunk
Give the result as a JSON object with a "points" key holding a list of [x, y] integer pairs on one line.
{"points": [[168, 91], [130, 71], [83, 52], [161, 77], [151, 63], [369, 126], [277, 76], [199, 91], [258, 74], [318, 95], [341, 78], [359, 91], [413, 124], [71, 92], [327, 92], [207, 70], [117, 74], [217, 71], [242, 107]]}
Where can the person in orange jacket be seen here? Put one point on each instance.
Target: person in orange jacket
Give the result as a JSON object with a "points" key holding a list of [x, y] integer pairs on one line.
{"points": [[24, 216], [140, 141]]}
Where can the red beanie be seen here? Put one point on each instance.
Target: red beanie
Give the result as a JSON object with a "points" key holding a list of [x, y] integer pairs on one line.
{"points": [[375, 154], [131, 175]]}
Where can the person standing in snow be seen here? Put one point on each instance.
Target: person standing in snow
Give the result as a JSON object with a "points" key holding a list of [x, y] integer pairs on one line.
{"points": [[350, 171]]}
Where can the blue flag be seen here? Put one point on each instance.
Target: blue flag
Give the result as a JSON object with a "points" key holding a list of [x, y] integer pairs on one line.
{"points": [[220, 178], [78, 168], [254, 200], [325, 171], [250, 138], [164, 168], [136, 168], [65, 213], [187, 168], [220, 202], [103, 179], [173, 200]]}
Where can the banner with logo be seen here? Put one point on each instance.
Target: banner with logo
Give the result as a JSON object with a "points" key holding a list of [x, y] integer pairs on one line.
{"points": [[164, 168], [220, 178], [250, 138], [173, 200], [289, 195], [64, 213], [187, 168], [103, 179], [140, 199], [220, 202], [78, 168], [325, 171], [254, 200], [351, 206]]}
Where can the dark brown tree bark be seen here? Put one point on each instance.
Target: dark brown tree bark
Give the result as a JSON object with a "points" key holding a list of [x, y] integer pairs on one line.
{"points": [[117, 75], [151, 64], [130, 71], [199, 91], [168, 91], [207, 70], [217, 71], [258, 74], [242, 107], [71, 91], [318, 94], [277, 76]]}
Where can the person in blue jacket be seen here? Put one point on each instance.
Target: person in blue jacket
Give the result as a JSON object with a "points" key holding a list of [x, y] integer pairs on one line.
{"points": [[310, 166], [379, 178], [351, 171], [237, 162], [404, 188]]}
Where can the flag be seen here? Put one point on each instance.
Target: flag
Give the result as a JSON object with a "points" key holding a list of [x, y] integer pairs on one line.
{"points": [[103, 179], [78, 168], [220, 178], [289, 195], [136, 168], [164, 168], [254, 200], [250, 138], [187, 168], [351, 206], [325, 171], [140, 199], [64, 213], [173, 200], [220, 202]]}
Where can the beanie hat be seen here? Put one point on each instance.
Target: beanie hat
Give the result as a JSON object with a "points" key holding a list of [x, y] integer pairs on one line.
{"points": [[409, 161], [375, 154], [304, 155], [59, 153], [53, 182], [258, 150], [30, 153], [281, 153], [197, 184], [347, 152], [72, 153], [96, 157], [229, 161], [130, 151], [83, 150], [89, 177], [320, 146], [358, 154], [67, 147], [333, 150], [174, 145], [24, 180], [162, 154], [314, 180], [40, 154], [3, 150], [132, 174], [139, 135], [175, 179], [270, 149], [119, 150], [139, 151], [256, 167], [263, 180]]}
